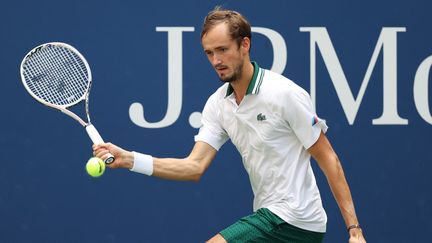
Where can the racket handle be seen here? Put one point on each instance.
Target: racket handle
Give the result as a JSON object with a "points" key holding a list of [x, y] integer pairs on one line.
{"points": [[97, 139]]}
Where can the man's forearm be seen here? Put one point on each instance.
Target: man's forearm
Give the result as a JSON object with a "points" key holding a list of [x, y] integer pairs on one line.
{"points": [[177, 169], [342, 194]]}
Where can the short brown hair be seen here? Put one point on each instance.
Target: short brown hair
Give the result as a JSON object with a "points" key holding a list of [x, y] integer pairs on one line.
{"points": [[238, 25]]}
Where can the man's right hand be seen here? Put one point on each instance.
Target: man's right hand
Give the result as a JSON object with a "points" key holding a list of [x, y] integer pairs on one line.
{"points": [[123, 158]]}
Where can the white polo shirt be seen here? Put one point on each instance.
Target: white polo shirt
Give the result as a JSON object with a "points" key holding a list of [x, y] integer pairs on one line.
{"points": [[271, 128]]}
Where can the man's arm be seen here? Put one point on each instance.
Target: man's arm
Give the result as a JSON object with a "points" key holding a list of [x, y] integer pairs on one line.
{"points": [[329, 163], [189, 168]]}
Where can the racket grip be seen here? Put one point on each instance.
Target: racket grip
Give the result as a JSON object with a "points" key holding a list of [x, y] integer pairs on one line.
{"points": [[97, 139]]}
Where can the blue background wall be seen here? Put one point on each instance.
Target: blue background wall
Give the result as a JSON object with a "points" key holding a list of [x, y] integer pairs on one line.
{"points": [[46, 196]]}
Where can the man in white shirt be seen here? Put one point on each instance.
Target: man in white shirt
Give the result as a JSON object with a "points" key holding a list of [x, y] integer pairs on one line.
{"points": [[272, 123]]}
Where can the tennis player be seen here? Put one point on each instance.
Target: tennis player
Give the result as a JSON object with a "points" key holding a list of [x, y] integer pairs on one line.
{"points": [[272, 123]]}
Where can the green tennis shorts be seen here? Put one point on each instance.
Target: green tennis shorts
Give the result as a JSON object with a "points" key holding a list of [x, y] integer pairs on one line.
{"points": [[263, 227]]}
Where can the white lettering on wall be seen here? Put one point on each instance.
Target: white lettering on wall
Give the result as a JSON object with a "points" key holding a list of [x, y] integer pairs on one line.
{"points": [[175, 81], [421, 90], [319, 37], [387, 42], [279, 48]]}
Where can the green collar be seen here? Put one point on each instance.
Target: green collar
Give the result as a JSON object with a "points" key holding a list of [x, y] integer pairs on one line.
{"points": [[254, 84]]}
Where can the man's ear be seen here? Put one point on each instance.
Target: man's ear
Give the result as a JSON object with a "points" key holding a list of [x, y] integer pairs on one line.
{"points": [[246, 44]]}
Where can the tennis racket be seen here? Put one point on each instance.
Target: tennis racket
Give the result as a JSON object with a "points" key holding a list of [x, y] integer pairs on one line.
{"points": [[58, 76]]}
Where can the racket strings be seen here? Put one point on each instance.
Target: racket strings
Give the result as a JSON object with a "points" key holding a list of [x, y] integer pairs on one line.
{"points": [[37, 78], [57, 75], [78, 77], [45, 81], [33, 74], [41, 79], [70, 72]]}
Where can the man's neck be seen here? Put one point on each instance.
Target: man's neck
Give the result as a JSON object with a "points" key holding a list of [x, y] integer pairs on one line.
{"points": [[240, 86]]}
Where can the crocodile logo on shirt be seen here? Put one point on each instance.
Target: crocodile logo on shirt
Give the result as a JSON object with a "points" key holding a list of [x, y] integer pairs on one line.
{"points": [[261, 117]]}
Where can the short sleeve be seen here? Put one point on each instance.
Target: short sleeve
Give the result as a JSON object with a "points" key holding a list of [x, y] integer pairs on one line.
{"points": [[301, 116], [211, 131]]}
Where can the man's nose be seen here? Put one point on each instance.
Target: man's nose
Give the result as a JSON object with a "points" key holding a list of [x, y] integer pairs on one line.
{"points": [[216, 60]]}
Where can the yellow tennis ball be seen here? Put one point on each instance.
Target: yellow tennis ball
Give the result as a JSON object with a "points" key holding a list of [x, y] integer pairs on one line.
{"points": [[95, 167]]}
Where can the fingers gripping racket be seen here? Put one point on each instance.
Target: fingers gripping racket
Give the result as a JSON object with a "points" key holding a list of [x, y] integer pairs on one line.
{"points": [[58, 76]]}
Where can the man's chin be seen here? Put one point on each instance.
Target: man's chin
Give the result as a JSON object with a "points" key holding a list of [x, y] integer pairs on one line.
{"points": [[226, 79]]}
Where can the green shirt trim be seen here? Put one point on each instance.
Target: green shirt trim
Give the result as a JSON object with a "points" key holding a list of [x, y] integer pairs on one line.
{"points": [[254, 84]]}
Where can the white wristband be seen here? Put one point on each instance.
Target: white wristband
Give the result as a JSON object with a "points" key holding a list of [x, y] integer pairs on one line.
{"points": [[143, 163]]}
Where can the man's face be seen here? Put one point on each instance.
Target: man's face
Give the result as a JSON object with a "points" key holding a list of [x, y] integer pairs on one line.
{"points": [[224, 54]]}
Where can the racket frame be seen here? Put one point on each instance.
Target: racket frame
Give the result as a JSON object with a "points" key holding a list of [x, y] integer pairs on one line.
{"points": [[91, 130]]}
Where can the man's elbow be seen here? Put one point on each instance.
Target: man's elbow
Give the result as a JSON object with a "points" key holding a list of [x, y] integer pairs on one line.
{"points": [[196, 178], [198, 173]]}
